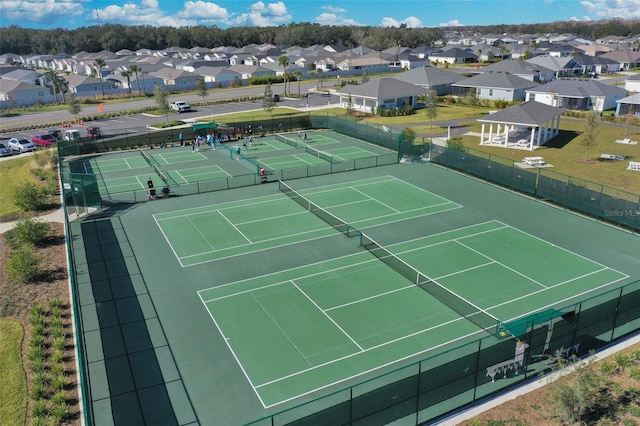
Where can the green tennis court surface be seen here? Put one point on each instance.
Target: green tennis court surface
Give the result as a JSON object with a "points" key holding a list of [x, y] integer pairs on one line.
{"points": [[312, 327], [217, 231]]}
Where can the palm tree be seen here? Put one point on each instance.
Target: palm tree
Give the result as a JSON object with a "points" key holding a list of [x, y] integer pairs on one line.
{"points": [[61, 86], [284, 62], [127, 74], [51, 77], [136, 69], [99, 62], [298, 73]]}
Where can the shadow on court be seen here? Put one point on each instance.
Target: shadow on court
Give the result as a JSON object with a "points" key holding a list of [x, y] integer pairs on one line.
{"points": [[134, 380]]}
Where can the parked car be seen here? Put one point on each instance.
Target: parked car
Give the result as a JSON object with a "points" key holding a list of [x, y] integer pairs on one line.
{"points": [[71, 135], [5, 151], [94, 132], [21, 145], [56, 133], [44, 140]]}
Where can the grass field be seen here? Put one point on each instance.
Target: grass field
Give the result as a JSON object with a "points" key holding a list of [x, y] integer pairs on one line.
{"points": [[567, 155], [13, 392]]}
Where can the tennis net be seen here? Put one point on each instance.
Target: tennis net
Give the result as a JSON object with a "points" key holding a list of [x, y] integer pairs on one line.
{"points": [[320, 154], [161, 174], [288, 141], [149, 160], [335, 222], [464, 308]]}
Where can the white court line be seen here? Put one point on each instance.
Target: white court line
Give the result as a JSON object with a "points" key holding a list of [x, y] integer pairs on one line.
{"points": [[127, 163], [201, 234], [376, 200], [326, 315], [266, 311], [166, 238], [235, 227], [301, 159], [226, 340], [501, 264], [355, 302], [257, 201]]}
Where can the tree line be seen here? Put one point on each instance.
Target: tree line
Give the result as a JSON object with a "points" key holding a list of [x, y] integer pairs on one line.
{"points": [[115, 37]]}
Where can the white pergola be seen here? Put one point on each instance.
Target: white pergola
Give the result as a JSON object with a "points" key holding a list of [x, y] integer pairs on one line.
{"points": [[525, 126]]}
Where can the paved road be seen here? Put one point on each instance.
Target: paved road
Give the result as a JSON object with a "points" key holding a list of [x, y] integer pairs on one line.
{"points": [[139, 122]]}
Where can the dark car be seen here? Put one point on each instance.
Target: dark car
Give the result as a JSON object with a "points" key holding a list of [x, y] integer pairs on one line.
{"points": [[94, 132], [56, 133], [44, 140]]}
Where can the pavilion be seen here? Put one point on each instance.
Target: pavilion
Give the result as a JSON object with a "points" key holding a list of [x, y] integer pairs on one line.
{"points": [[526, 126]]}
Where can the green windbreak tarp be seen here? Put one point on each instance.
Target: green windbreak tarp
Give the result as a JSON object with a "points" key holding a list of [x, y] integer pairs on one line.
{"points": [[204, 126]]}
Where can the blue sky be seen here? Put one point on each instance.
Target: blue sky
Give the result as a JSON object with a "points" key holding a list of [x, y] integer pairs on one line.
{"points": [[71, 14]]}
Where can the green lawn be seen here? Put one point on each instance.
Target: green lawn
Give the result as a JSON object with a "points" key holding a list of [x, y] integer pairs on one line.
{"points": [[13, 392], [12, 173], [567, 156]]}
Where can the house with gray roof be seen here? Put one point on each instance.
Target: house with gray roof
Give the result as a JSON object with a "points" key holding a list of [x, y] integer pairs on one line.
{"points": [[627, 58], [381, 93], [453, 56], [431, 78], [84, 85], [629, 106], [174, 79], [632, 84], [494, 85], [524, 69], [525, 126], [18, 93], [581, 94], [594, 65], [561, 66]]}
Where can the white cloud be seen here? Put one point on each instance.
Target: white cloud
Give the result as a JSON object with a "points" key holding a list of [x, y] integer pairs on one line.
{"points": [[334, 9], [42, 12], [612, 8], [452, 23], [410, 22], [262, 15], [333, 19], [204, 11]]}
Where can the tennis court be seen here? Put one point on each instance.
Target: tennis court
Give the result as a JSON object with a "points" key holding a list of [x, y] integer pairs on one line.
{"points": [[313, 327], [215, 232]]}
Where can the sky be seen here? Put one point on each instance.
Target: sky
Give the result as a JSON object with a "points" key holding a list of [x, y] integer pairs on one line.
{"points": [[70, 14]]}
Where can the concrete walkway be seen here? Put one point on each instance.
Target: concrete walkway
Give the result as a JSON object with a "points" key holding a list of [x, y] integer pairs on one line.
{"points": [[56, 216]]}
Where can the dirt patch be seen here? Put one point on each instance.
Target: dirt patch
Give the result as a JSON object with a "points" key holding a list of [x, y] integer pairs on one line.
{"points": [[16, 301]]}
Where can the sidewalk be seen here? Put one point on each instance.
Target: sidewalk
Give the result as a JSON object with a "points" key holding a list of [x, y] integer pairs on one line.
{"points": [[56, 216]]}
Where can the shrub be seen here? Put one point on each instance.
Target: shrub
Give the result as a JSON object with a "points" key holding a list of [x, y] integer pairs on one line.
{"points": [[608, 368], [24, 265], [29, 231], [27, 196], [622, 360], [39, 409], [634, 373]]}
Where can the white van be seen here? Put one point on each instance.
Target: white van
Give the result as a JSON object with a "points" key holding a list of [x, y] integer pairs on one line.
{"points": [[71, 135]]}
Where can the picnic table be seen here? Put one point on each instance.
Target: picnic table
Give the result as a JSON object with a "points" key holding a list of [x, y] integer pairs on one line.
{"points": [[612, 157], [533, 161]]}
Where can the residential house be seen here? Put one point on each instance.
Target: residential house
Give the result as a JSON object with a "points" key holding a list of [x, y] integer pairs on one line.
{"points": [[248, 71], [18, 93], [21, 74], [84, 85], [431, 78], [628, 59], [453, 56], [372, 63], [632, 84], [561, 66], [629, 106], [494, 85], [577, 94], [174, 79], [219, 76], [595, 65], [382, 93], [524, 69]]}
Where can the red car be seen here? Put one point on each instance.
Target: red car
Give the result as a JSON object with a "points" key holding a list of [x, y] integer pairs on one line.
{"points": [[44, 140]]}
